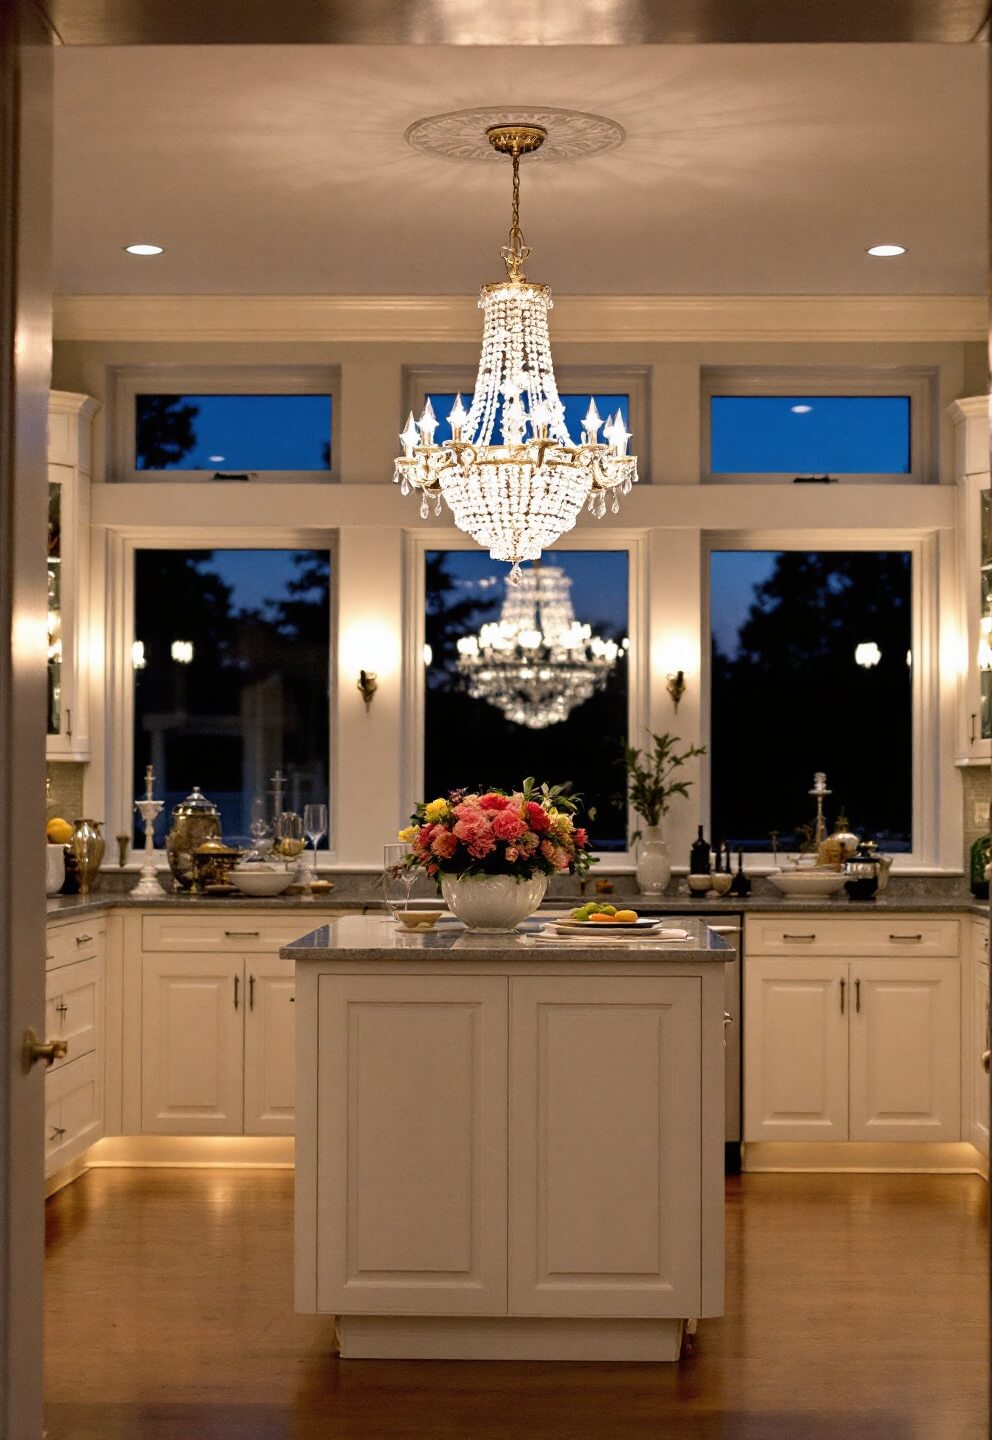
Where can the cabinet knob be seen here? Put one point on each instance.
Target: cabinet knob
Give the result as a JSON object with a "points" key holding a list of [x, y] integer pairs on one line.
{"points": [[34, 1050], [83, 939]]}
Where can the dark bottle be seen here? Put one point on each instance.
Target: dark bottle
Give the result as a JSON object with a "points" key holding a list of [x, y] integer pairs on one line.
{"points": [[699, 856], [740, 885]]}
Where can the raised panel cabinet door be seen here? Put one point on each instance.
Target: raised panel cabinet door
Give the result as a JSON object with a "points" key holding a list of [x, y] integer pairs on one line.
{"points": [[191, 1045], [74, 1007], [795, 1048], [905, 1050], [605, 1146], [978, 1080], [270, 1047], [411, 1145]]}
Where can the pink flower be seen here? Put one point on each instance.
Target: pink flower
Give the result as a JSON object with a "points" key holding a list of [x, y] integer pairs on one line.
{"points": [[467, 810], [424, 838], [481, 845], [547, 849], [444, 844], [492, 801], [507, 826], [581, 838], [537, 819]]}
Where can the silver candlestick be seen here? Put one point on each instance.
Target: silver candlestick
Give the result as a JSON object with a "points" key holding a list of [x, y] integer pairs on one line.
{"points": [[149, 810]]}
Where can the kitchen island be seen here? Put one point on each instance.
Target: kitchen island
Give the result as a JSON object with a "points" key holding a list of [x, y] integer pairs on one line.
{"points": [[507, 1150]]}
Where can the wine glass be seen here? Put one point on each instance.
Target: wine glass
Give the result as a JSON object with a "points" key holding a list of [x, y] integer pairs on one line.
{"points": [[398, 877], [289, 837], [260, 828], [314, 828]]}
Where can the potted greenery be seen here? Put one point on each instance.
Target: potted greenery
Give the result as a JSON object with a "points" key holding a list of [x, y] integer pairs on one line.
{"points": [[650, 789]]}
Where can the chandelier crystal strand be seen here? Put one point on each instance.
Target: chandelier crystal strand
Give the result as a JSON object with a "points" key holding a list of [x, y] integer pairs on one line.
{"points": [[537, 662], [516, 495]]}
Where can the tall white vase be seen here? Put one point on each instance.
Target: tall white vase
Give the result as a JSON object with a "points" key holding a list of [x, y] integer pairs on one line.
{"points": [[654, 868]]}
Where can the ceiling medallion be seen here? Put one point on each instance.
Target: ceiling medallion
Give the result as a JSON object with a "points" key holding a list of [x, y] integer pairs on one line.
{"points": [[461, 134], [536, 663], [518, 494]]}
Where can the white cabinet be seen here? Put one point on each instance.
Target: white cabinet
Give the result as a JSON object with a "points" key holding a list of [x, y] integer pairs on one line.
{"points": [[971, 420], [840, 1048], [217, 1045], [579, 1097], [74, 1012], [70, 419], [975, 1036]]}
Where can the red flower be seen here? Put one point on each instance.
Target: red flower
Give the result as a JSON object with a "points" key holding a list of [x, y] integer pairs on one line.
{"points": [[581, 838], [493, 801], [537, 818], [424, 838], [507, 826]]}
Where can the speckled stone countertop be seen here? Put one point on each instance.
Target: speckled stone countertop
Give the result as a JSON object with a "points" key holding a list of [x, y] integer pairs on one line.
{"points": [[891, 902], [376, 937]]}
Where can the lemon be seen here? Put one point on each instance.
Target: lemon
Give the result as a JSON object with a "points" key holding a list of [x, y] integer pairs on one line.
{"points": [[59, 832], [627, 916]]}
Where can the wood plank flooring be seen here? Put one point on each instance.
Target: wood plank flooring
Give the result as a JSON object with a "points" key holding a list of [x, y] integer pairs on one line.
{"points": [[856, 1310]]}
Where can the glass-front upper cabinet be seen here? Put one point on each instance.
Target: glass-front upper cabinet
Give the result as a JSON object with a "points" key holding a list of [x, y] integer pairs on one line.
{"points": [[971, 420], [70, 420]]}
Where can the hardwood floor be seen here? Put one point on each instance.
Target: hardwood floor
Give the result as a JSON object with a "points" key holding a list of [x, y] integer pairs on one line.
{"points": [[856, 1308]]}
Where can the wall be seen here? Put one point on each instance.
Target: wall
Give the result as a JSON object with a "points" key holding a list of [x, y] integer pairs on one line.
{"points": [[374, 781]]}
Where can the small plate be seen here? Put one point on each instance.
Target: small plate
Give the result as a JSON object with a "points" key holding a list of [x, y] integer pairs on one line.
{"points": [[221, 890], [608, 926]]}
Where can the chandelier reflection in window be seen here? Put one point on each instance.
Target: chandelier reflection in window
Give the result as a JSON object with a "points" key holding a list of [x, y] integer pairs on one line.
{"points": [[536, 663], [518, 496]]}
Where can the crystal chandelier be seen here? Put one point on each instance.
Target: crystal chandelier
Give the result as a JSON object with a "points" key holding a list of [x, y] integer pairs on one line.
{"points": [[536, 662], [518, 496]]}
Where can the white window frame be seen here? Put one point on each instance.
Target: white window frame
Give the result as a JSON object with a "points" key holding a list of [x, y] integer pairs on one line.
{"points": [[919, 383], [119, 706], [634, 381], [127, 382], [634, 542], [933, 810]]}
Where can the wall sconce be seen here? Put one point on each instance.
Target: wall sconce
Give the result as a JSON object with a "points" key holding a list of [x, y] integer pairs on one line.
{"points": [[138, 659], [182, 651], [867, 654], [368, 684], [676, 687]]}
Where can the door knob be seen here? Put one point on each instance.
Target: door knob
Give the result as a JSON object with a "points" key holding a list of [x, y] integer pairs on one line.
{"points": [[986, 1059], [47, 1050]]}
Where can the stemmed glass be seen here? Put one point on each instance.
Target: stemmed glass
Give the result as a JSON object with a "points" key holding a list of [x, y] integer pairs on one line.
{"points": [[397, 876], [261, 829], [315, 828], [289, 838]]}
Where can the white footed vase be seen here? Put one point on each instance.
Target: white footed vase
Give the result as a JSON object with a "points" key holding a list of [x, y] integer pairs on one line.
{"points": [[493, 904], [654, 869]]}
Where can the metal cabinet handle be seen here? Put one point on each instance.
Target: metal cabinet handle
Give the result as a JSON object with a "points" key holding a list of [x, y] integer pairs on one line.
{"points": [[241, 934], [807, 938], [905, 937], [857, 996], [237, 986], [52, 957], [68, 723], [728, 1019], [62, 1009], [251, 992], [973, 719], [843, 987], [986, 1060], [83, 939], [57, 1132]]}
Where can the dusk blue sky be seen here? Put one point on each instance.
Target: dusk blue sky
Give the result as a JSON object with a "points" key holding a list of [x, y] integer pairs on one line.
{"points": [[256, 432], [837, 435], [599, 583], [254, 575]]}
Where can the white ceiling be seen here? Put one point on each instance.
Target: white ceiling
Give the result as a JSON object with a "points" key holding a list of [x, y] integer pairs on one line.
{"points": [[746, 169]]}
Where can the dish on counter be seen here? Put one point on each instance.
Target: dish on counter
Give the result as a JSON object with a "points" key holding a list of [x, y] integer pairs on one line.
{"points": [[260, 881], [219, 889], [807, 882], [610, 927], [420, 919]]}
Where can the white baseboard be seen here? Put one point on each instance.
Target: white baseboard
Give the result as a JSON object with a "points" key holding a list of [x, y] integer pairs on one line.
{"points": [[864, 1157]]}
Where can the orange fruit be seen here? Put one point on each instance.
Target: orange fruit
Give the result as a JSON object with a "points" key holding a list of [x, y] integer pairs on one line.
{"points": [[628, 916], [599, 919]]}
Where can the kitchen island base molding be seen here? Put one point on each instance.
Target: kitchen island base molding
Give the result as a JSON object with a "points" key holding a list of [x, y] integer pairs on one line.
{"points": [[402, 1337], [853, 1157]]}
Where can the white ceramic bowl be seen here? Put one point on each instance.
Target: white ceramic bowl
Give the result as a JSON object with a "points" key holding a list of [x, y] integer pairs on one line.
{"points": [[55, 869], [256, 881], [807, 882], [699, 884], [721, 882]]}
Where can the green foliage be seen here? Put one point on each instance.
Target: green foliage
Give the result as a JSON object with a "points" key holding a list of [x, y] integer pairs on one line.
{"points": [[650, 786]]}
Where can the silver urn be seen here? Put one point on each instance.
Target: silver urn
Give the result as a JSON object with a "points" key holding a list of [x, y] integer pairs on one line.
{"points": [[194, 820]]}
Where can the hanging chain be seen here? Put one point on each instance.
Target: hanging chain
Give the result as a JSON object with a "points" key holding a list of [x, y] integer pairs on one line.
{"points": [[515, 252]]}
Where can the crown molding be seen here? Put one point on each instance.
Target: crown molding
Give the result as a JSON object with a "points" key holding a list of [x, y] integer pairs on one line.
{"points": [[602, 318]]}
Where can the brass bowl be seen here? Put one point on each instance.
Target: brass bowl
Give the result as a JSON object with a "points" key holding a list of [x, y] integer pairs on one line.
{"points": [[213, 862]]}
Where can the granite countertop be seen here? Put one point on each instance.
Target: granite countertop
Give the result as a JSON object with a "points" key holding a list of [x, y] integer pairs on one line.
{"points": [[376, 937], [890, 902]]}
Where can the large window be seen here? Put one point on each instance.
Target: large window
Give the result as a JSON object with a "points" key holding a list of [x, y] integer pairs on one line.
{"points": [[811, 670], [231, 676], [500, 706]]}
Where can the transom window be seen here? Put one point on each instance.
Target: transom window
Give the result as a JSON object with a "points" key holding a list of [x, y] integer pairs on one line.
{"points": [[575, 407]]}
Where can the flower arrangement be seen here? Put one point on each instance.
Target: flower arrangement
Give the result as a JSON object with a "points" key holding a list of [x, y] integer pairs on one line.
{"points": [[528, 832]]}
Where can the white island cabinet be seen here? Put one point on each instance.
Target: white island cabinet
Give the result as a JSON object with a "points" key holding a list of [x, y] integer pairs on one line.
{"points": [[506, 1151]]}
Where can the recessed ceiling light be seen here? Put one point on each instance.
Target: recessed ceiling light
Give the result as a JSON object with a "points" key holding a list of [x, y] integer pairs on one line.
{"points": [[144, 249], [801, 409], [885, 251]]}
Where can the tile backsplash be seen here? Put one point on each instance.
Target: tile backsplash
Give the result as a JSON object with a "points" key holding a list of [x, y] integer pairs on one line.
{"points": [[65, 796], [976, 785]]}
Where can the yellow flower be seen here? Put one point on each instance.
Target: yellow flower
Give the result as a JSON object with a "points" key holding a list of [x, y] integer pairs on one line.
{"points": [[561, 824], [410, 833], [436, 810]]}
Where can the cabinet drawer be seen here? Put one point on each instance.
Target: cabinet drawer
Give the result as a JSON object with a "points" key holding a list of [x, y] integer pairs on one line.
{"points": [[72, 1006], [73, 1110], [241, 934], [80, 941], [857, 935]]}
